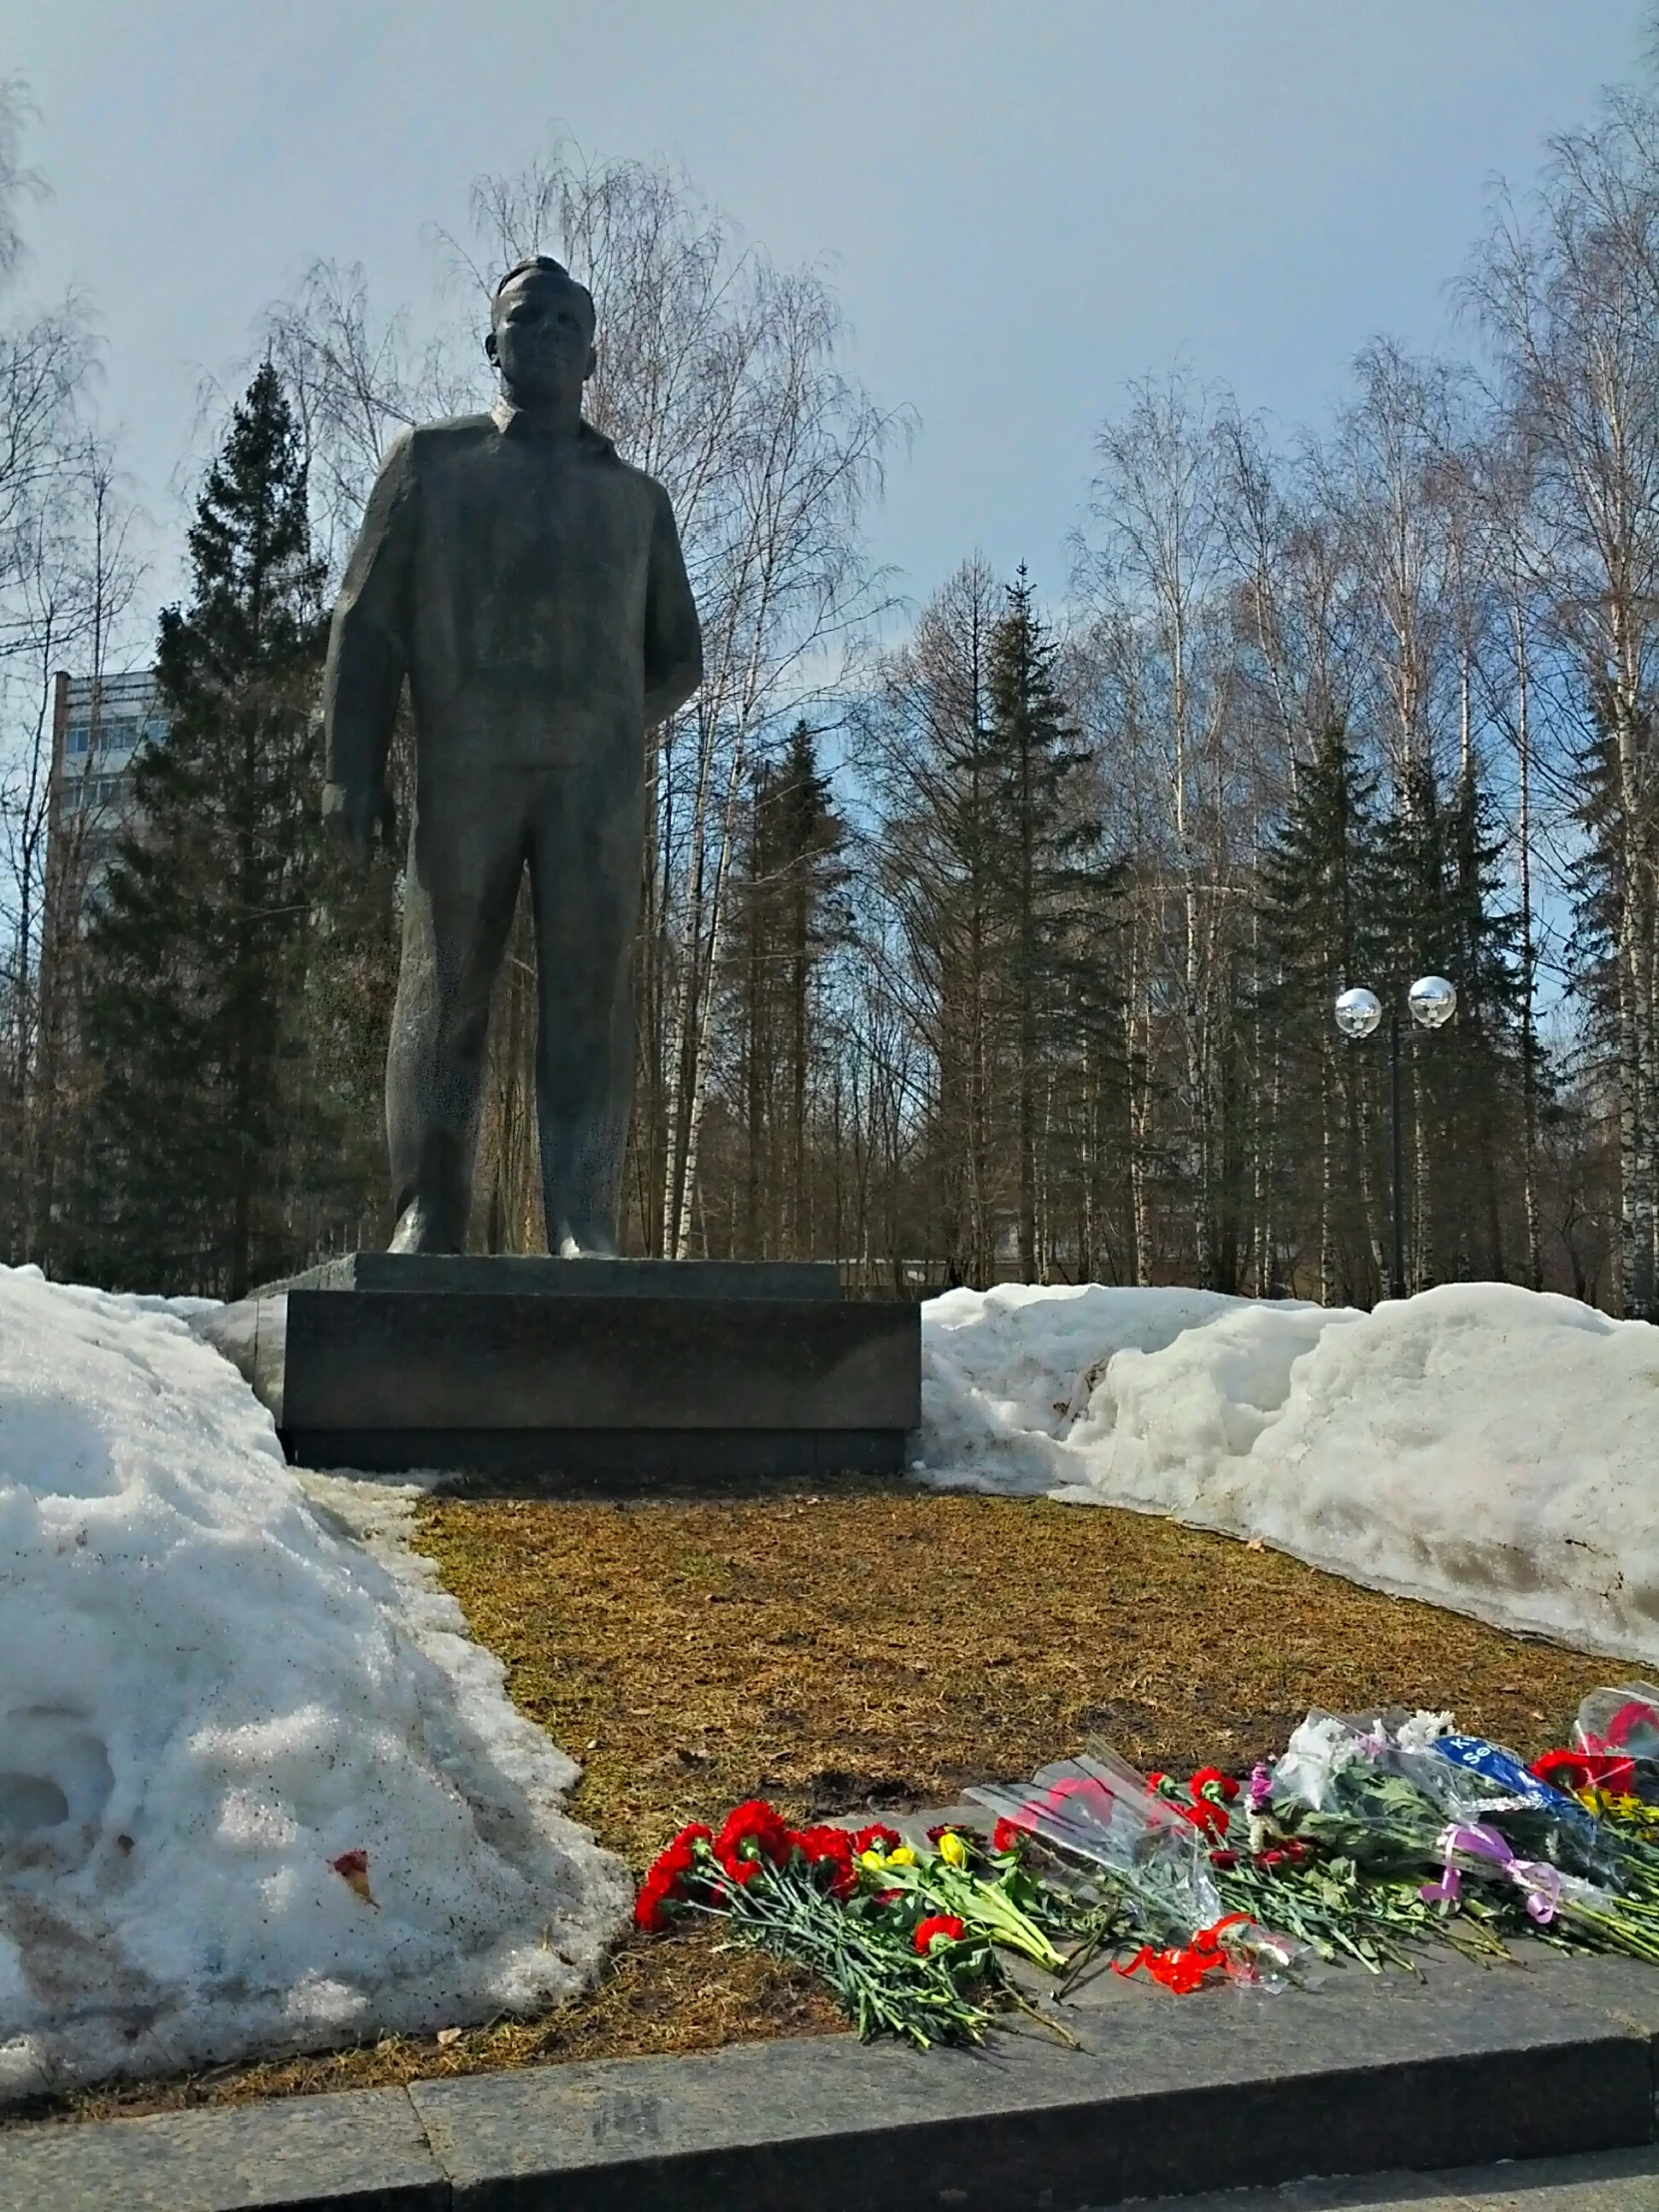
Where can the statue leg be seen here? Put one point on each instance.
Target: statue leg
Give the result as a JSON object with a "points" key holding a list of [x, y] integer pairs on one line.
{"points": [[586, 853], [465, 858]]}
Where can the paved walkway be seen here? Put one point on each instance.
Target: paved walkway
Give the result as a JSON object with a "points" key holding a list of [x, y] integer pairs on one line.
{"points": [[1613, 2181]]}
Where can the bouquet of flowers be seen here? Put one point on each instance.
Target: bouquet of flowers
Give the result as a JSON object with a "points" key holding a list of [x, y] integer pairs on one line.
{"points": [[906, 1942], [804, 1896], [1393, 1796], [1100, 1811], [1372, 1834]]}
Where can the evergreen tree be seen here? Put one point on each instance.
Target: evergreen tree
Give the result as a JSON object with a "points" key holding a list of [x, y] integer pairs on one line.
{"points": [[1036, 758], [213, 1150], [785, 923], [1321, 931], [1443, 913], [943, 861], [1087, 1078]]}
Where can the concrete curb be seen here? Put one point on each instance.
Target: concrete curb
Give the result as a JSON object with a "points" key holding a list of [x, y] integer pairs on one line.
{"points": [[1167, 2096]]}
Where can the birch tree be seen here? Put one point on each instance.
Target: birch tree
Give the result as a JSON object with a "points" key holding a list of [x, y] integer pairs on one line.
{"points": [[1569, 302], [1154, 566], [67, 577]]}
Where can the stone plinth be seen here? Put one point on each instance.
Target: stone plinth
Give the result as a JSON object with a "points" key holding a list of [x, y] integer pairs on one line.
{"points": [[539, 1368]]}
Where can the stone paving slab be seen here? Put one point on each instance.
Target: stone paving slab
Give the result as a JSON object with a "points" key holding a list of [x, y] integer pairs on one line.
{"points": [[1167, 2096], [1614, 2181], [358, 2150]]}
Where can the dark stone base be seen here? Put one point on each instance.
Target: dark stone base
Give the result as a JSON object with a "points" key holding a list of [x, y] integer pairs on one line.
{"points": [[554, 1459], [550, 1372]]}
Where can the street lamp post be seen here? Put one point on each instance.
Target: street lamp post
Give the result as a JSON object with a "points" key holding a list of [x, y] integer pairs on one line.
{"points": [[1431, 1001]]}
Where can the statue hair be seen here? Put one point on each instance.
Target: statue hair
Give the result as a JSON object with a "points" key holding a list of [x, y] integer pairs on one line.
{"points": [[543, 265]]}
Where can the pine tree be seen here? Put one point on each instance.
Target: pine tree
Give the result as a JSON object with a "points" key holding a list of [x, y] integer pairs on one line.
{"points": [[1037, 760], [213, 1150]]}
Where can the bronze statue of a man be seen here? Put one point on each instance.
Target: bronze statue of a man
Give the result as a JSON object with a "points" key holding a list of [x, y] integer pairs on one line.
{"points": [[529, 586]]}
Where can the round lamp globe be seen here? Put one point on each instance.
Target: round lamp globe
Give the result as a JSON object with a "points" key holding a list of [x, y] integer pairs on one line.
{"points": [[1358, 1012], [1432, 1002]]}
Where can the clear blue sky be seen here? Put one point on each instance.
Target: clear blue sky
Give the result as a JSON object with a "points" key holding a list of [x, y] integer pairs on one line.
{"points": [[1023, 202]]}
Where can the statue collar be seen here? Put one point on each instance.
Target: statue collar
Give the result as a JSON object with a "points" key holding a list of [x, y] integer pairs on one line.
{"points": [[511, 422]]}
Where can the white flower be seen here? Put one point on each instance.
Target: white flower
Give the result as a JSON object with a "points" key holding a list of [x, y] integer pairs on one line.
{"points": [[1423, 1728]]}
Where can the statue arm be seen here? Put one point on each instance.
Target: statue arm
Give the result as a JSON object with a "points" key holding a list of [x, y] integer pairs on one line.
{"points": [[362, 678], [673, 636]]}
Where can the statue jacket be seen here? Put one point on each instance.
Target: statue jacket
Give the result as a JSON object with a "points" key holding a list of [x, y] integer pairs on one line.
{"points": [[531, 591]]}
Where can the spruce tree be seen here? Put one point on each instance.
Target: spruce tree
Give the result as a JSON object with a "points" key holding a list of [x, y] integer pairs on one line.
{"points": [[1323, 930], [1037, 759], [1442, 857], [211, 1147], [943, 861], [785, 922]]}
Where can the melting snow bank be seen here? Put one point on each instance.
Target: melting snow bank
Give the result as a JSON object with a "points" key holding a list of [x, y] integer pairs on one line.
{"points": [[1479, 1445], [209, 1694]]}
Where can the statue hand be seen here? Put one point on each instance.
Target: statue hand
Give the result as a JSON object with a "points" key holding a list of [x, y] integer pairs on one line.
{"points": [[354, 812]]}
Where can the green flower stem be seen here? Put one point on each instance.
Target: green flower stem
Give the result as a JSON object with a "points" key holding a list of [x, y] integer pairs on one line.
{"points": [[987, 1906], [877, 1974]]}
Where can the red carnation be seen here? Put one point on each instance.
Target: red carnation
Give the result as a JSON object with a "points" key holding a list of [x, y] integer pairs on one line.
{"points": [[752, 1831], [1008, 1835], [1226, 1859], [660, 1889], [664, 1884], [1212, 1819], [649, 1913], [937, 1924], [1586, 1770], [823, 1842], [1212, 1778], [829, 1846], [878, 1833], [681, 1855], [1291, 1854]]}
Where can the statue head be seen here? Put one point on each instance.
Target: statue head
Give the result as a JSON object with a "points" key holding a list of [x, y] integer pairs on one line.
{"points": [[541, 333]]}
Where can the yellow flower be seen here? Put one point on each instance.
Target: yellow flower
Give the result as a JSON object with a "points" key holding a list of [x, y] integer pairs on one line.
{"points": [[872, 1860], [953, 1850], [902, 1856]]}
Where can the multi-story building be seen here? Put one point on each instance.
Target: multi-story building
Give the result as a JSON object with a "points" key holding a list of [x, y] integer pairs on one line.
{"points": [[98, 726]]}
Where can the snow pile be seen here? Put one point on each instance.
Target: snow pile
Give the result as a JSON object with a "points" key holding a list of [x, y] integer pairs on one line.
{"points": [[207, 1696], [1483, 1447], [1006, 1373]]}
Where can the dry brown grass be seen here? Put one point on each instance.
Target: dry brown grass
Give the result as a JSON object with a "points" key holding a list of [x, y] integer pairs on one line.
{"points": [[878, 1647]]}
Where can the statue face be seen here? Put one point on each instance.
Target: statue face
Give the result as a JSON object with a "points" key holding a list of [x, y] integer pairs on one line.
{"points": [[541, 339]]}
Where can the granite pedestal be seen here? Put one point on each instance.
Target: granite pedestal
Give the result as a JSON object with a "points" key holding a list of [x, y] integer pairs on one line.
{"points": [[536, 1369]]}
